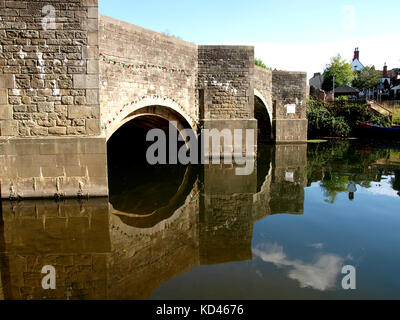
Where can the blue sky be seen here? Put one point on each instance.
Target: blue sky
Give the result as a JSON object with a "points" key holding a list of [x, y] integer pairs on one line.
{"points": [[292, 35]]}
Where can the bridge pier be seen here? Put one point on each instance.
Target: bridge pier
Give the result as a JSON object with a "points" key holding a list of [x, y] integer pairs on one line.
{"points": [[47, 167], [227, 91]]}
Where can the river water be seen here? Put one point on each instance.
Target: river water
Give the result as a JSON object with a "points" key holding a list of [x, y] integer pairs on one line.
{"points": [[202, 232]]}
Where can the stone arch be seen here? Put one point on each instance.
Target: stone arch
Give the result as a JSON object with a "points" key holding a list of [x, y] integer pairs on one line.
{"points": [[264, 101], [262, 111], [165, 108]]}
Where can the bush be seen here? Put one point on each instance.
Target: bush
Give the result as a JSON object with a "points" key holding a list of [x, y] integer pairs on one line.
{"points": [[260, 63], [340, 118]]}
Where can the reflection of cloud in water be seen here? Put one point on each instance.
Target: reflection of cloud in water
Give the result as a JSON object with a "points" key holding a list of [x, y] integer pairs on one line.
{"points": [[383, 188], [320, 275]]}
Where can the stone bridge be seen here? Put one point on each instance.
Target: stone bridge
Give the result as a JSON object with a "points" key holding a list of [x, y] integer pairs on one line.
{"points": [[102, 253], [68, 84]]}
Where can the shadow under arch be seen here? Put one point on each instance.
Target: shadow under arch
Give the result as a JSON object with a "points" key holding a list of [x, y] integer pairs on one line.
{"points": [[263, 114], [141, 194]]}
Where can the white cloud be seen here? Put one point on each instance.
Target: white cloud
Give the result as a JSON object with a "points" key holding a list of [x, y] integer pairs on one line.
{"points": [[320, 275]]}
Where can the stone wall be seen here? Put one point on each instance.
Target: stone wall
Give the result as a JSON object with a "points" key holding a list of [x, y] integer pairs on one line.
{"points": [[289, 88], [59, 166], [225, 77], [227, 90], [263, 84], [49, 100], [137, 63], [49, 71]]}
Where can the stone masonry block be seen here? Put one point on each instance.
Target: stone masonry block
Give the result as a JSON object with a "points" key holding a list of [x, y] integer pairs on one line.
{"points": [[93, 24], [93, 66], [46, 106], [93, 13], [89, 81], [3, 96], [93, 38], [90, 52], [90, 3], [92, 96], [7, 81], [81, 112], [8, 128], [93, 127], [6, 112]]}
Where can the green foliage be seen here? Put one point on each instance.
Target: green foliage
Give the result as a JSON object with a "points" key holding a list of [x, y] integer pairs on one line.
{"points": [[335, 163], [333, 184], [322, 122], [396, 115], [339, 119], [342, 71], [260, 63], [342, 98], [367, 79]]}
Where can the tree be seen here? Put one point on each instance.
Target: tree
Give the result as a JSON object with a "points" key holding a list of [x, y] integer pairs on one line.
{"points": [[367, 79], [342, 71]]}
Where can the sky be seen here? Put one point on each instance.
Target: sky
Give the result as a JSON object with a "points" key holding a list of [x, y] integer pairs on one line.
{"points": [[287, 35]]}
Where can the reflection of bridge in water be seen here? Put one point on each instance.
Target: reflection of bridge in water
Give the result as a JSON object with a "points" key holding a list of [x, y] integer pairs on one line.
{"points": [[102, 253]]}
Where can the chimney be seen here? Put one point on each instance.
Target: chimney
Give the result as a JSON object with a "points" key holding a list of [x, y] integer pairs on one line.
{"points": [[356, 54], [385, 72]]}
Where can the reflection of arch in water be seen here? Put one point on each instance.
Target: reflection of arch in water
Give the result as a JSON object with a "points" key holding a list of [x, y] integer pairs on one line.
{"points": [[261, 199], [144, 257], [149, 220]]}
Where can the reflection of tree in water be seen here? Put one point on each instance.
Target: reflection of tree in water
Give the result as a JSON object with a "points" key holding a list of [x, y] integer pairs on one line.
{"points": [[333, 184], [336, 163]]}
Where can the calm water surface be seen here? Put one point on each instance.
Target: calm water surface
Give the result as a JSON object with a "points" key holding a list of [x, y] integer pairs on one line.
{"points": [[175, 232]]}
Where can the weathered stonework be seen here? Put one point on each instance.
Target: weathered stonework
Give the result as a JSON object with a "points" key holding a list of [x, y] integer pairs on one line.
{"points": [[42, 66], [263, 86], [227, 90], [49, 88], [48, 167], [157, 55], [289, 88]]}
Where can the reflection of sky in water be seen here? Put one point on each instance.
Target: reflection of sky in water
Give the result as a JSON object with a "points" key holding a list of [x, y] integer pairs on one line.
{"points": [[302, 256], [320, 274], [384, 188]]}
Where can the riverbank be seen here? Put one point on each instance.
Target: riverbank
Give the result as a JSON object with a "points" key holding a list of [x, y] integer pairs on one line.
{"points": [[339, 118]]}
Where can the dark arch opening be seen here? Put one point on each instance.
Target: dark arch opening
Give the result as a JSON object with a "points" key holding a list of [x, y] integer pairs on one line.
{"points": [[137, 187], [264, 134]]}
